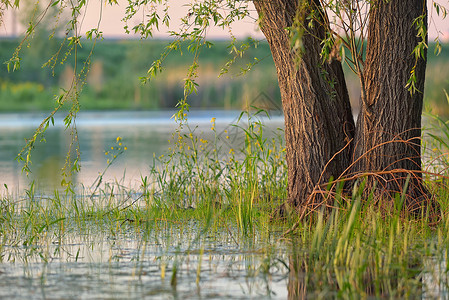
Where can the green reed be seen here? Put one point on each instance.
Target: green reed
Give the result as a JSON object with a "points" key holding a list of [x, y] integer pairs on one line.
{"points": [[204, 172]]}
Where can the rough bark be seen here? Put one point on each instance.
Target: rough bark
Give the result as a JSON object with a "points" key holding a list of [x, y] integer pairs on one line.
{"points": [[318, 117], [388, 130]]}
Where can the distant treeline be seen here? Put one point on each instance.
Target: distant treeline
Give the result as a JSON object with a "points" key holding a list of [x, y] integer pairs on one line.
{"points": [[116, 65], [113, 80]]}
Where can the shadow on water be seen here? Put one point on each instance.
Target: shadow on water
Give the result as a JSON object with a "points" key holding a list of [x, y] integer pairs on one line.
{"points": [[421, 279]]}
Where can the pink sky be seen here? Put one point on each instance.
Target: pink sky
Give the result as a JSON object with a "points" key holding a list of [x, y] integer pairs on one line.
{"points": [[112, 26]]}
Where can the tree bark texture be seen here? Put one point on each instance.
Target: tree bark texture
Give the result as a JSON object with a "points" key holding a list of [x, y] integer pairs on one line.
{"points": [[318, 118], [388, 131]]}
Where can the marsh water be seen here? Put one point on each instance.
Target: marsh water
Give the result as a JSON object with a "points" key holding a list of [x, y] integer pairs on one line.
{"points": [[161, 259], [145, 134], [124, 264], [98, 265]]}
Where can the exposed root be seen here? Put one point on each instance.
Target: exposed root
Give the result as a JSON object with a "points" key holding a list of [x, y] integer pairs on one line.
{"points": [[411, 200]]}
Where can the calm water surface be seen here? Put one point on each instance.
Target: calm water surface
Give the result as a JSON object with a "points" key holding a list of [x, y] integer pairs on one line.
{"points": [[124, 264], [143, 133], [128, 265]]}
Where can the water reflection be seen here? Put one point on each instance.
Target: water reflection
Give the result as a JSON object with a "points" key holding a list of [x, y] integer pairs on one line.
{"points": [[143, 133], [435, 278], [165, 262]]}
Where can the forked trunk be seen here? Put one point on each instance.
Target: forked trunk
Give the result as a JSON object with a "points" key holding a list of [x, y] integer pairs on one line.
{"points": [[318, 117], [319, 126], [388, 133]]}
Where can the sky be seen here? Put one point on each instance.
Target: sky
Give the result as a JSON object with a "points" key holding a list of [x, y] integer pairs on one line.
{"points": [[112, 26]]}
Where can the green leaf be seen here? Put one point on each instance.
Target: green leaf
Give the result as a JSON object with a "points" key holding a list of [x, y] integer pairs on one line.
{"points": [[438, 47], [437, 8]]}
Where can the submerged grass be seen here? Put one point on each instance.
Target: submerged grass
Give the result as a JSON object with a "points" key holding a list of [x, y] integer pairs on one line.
{"points": [[204, 213]]}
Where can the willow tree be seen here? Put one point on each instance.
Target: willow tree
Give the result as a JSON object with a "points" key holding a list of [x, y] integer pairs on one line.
{"points": [[322, 142], [309, 40], [319, 125]]}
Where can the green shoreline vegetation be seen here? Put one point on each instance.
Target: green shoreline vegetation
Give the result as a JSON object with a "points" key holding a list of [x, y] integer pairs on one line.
{"points": [[203, 201], [113, 82]]}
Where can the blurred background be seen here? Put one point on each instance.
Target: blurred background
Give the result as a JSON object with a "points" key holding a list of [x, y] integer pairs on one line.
{"points": [[120, 59]]}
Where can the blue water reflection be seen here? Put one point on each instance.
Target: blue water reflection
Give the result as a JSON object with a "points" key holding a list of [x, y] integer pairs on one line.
{"points": [[143, 133]]}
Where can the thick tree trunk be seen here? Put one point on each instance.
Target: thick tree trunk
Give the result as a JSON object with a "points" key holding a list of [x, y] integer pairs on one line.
{"points": [[388, 130], [318, 117]]}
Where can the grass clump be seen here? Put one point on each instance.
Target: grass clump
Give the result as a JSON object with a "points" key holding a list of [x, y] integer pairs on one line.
{"points": [[207, 173], [356, 251]]}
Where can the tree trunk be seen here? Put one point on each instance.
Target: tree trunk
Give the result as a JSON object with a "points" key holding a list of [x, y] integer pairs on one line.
{"points": [[388, 132], [318, 118]]}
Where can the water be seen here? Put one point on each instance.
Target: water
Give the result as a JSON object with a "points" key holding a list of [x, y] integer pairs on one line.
{"points": [[120, 260], [143, 133], [132, 266]]}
